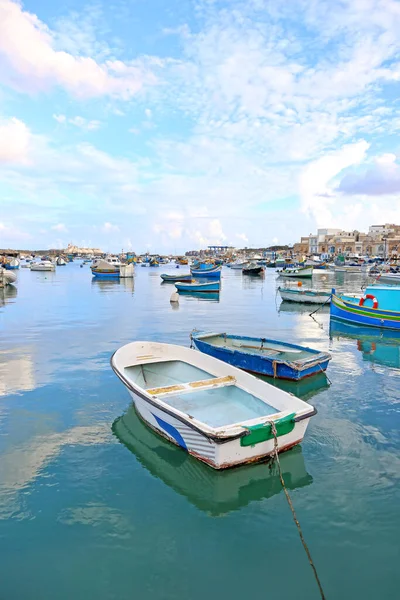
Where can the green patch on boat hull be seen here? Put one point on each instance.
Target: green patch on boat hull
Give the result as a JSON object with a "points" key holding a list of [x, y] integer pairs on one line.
{"points": [[263, 432]]}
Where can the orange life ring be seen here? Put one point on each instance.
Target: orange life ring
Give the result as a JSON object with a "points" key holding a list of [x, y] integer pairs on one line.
{"points": [[369, 297], [360, 347]]}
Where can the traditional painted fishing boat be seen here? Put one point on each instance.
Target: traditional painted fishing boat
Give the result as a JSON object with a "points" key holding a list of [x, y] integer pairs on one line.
{"points": [[206, 271], [296, 272], [378, 307], [175, 278], [219, 414], [252, 269], [213, 492], [304, 296], [106, 268], [211, 286], [61, 262], [276, 359]]}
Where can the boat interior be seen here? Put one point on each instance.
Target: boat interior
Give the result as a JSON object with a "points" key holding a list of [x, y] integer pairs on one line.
{"points": [[256, 346], [215, 401]]}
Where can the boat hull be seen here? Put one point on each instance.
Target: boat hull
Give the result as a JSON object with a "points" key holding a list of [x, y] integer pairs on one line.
{"points": [[215, 454], [201, 287], [255, 271], [301, 273], [361, 315], [304, 296], [215, 273], [175, 278], [262, 365], [105, 274]]}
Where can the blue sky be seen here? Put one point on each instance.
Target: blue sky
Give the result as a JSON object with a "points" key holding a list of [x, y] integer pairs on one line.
{"points": [[167, 126]]}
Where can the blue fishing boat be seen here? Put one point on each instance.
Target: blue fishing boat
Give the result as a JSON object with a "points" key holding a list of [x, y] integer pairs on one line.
{"points": [[12, 264], [276, 359], [213, 286], [378, 307], [175, 278], [206, 271]]}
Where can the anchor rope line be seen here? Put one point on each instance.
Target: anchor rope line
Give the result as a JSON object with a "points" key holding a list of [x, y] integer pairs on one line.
{"points": [[295, 519]]}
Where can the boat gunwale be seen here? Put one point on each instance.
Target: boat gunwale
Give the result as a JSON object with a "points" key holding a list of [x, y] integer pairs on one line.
{"points": [[352, 306]]}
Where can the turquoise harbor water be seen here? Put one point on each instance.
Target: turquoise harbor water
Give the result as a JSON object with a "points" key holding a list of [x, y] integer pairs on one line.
{"points": [[94, 505]]}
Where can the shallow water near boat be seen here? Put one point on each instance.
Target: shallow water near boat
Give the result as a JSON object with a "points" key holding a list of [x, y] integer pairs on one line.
{"points": [[94, 504]]}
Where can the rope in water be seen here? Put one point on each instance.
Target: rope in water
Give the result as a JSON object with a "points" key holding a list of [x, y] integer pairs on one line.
{"points": [[310, 560]]}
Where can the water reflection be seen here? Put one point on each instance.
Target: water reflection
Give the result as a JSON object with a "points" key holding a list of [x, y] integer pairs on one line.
{"points": [[8, 294], [305, 389], [376, 346], [297, 307], [206, 296], [213, 492], [111, 285]]}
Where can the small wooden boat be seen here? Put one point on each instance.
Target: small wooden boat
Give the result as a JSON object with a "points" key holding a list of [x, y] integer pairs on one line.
{"points": [[61, 262], [219, 414], [378, 307], [296, 272], [213, 286], [304, 296], [175, 278], [260, 355], [252, 269], [207, 271], [106, 268]]}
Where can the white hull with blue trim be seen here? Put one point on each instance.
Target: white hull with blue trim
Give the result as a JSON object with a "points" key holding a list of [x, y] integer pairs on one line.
{"points": [[219, 414]]}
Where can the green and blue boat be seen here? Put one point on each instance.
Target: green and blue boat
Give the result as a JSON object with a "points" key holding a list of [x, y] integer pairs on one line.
{"points": [[378, 307]]}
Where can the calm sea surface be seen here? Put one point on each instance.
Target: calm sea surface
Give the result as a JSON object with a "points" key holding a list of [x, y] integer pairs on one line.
{"points": [[94, 505]]}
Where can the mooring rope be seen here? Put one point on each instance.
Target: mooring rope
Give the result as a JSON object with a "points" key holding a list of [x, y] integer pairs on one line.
{"points": [[307, 551]]}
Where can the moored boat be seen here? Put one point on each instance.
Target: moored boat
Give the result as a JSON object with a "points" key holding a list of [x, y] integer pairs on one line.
{"points": [[12, 264], [276, 359], [391, 278], [219, 414], [211, 286], [378, 307], [252, 269], [43, 265], [61, 262], [296, 272], [7, 277], [206, 271], [108, 267], [174, 278], [304, 296]]}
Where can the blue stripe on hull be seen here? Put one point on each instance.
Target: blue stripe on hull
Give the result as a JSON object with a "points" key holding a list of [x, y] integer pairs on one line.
{"points": [[351, 317], [172, 431], [106, 275]]}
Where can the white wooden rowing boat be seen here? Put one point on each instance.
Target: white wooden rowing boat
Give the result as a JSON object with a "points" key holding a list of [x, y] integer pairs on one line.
{"points": [[216, 412], [304, 296]]}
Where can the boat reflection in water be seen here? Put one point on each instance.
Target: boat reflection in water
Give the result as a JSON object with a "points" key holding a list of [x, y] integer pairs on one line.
{"points": [[381, 346], [214, 492], [8, 294], [113, 285], [304, 389], [207, 296], [297, 307]]}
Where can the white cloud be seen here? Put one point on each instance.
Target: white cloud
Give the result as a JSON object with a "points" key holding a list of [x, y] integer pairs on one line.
{"points": [[317, 195], [243, 237], [15, 139], [110, 228], [31, 63], [60, 227], [60, 118], [80, 122], [148, 113]]}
